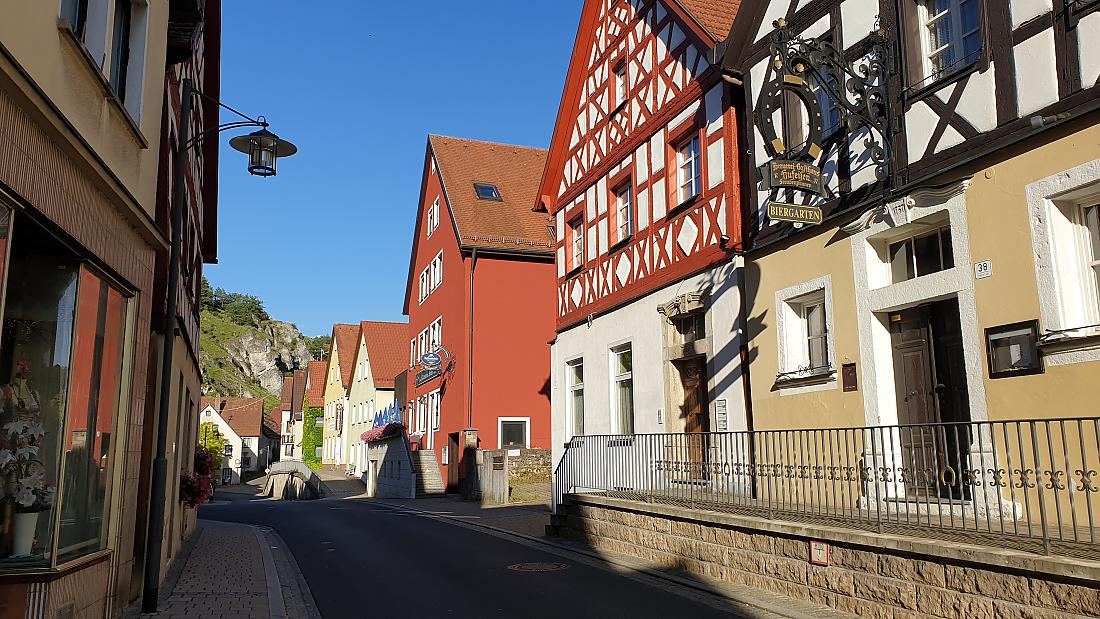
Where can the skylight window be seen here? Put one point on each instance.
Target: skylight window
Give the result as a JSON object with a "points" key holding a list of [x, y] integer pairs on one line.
{"points": [[486, 191]]}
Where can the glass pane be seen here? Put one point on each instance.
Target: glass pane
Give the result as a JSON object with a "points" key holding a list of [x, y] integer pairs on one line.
{"points": [[1092, 223], [513, 434], [901, 265], [576, 374], [96, 379], [818, 350], [623, 362], [946, 249], [578, 411], [815, 319], [968, 13], [626, 406], [35, 351], [927, 250]]}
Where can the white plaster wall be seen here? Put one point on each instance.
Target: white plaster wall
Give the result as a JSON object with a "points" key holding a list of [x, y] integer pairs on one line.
{"points": [[1088, 40], [1024, 10], [857, 20], [1036, 72], [641, 325], [231, 438]]}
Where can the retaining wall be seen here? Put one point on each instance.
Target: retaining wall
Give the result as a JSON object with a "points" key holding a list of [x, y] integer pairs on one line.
{"points": [[869, 574]]}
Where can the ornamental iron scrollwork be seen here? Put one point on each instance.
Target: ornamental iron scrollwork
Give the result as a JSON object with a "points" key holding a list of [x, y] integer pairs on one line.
{"points": [[859, 93], [1085, 481]]}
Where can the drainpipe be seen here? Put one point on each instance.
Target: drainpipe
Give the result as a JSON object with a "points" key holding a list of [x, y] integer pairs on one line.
{"points": [[154, 539], [470, 348]]}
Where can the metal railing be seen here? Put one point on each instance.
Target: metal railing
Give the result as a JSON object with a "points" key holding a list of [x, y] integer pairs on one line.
{"points": [[1030, 484]]}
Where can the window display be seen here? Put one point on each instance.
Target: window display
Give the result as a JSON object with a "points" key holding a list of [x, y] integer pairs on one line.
{"points": [[61, 371]]}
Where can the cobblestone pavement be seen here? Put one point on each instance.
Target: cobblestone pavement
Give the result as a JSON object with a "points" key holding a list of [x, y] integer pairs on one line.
{"points": [[235, 571]]}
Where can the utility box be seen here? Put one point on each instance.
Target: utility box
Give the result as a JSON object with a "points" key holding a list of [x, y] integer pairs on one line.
{"points": [[492, 469]]}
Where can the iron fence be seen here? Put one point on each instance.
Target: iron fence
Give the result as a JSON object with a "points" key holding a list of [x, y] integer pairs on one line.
{"points": [[1029, 483]]}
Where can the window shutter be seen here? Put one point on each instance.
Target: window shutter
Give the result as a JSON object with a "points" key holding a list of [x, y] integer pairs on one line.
{"points": [[912, 47]]}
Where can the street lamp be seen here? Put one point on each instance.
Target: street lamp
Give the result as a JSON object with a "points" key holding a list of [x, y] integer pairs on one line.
{"points": [[263, 148]]}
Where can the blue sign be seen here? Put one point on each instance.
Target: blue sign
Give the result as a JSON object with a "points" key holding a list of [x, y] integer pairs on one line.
{"points": [[389, 415], [431, 358]]}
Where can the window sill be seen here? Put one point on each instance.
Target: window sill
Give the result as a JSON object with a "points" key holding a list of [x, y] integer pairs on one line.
{"points": [[621, 243], [1066, 341], [108, 92], [682, 206], [917, 93], [809, 377], [620, 107], [46, 574], [574, 271]]}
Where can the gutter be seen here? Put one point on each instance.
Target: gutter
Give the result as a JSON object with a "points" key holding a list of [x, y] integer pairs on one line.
{"points": [[470, 349]]}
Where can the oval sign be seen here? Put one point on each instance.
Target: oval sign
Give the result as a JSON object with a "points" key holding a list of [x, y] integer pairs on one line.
{"points": [[431, 358]]}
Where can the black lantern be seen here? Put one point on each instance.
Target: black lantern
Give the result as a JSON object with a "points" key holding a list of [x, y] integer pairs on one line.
{"points": [[263, 149]]}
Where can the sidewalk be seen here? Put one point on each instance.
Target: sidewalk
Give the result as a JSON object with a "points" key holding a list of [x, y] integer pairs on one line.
{"points": [[234, 571]]}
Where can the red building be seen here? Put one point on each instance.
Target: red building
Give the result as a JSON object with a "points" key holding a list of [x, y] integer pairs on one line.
{"points": [[480, 293]]}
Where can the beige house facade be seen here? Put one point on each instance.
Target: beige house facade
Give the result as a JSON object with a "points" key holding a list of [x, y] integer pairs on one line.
{"points": [[379, 356], [337, 381]]}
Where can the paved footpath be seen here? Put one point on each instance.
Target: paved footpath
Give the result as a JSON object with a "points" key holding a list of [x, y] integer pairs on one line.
{"points": [[234, 571]]}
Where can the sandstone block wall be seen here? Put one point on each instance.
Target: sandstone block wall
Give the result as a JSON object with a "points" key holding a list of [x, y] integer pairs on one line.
{"points": [[868, 581]]}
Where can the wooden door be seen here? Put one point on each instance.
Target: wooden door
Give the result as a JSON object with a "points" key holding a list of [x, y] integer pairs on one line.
{"points": [[696, 413], [914, 383]]}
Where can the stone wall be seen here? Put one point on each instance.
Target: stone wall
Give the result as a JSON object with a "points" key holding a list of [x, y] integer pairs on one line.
{"points": [[868, 574], [529, 463]]}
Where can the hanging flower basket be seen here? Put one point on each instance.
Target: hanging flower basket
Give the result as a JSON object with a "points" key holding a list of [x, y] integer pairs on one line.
{"points": [[383, 432]]}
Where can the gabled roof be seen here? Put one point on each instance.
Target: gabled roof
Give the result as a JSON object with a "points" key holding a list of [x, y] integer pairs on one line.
{"points": [[344, 340], [386, 350], [298, 391], [508, 224], [316, 379], [287, 394], [244, 415], [709, 20], [715, 16]]}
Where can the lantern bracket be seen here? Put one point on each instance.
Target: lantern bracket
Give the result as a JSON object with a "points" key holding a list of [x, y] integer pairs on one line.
{"points": [[248, 121]]}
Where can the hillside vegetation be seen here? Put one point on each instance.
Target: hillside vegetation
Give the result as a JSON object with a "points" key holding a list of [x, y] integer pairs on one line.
{"points": [[244, 351]]}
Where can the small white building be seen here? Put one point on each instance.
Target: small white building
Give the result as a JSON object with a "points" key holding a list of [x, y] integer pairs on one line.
{"points": [[251, 441], [290, 416]]}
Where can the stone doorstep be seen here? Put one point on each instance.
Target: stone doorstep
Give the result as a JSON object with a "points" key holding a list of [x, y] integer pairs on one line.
{"points": [[1038, 565]]}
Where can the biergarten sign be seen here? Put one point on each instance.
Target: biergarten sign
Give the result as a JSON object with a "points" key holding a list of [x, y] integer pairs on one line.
{"points": [[795, 213], [427, 373]]}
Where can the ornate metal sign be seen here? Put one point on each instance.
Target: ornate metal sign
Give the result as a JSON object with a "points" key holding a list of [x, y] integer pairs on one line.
{"points": [[802, 71]]}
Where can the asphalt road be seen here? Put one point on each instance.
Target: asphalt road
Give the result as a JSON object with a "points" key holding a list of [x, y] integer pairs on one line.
{"points": [[364, 560]]}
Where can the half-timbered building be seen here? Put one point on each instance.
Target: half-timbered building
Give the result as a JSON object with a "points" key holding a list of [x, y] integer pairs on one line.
{"points": [[954, 275], [646, 216]]}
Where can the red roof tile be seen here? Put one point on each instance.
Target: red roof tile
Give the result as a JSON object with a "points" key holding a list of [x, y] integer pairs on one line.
{"points": [[344, 340], [715, 16], [287, 393], [316, 382], [386, 349], [509, 224], [298, 391], [244, 415]]}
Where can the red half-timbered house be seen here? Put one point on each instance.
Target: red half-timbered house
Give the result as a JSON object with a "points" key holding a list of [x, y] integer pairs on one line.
{"points": [[480, 296], [645, 204]]}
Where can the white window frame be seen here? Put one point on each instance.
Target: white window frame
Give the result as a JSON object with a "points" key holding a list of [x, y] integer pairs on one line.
{"points": [[622, 84], [435, 334], [613, 384], [526, 433], [425, 288], [422, 340], [436, 271], [1069, 303], [570, 390], [927, 21], [412, 353], [434, 404], [576, 240], [624, 211], [793, 337], [433, 217], [689, 169]]}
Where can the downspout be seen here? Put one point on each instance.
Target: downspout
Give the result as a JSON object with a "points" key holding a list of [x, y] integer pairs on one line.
{"points": [[470, 348]]}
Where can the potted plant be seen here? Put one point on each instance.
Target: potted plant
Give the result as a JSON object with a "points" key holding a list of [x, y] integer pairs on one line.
{"points": [[24, 480]]}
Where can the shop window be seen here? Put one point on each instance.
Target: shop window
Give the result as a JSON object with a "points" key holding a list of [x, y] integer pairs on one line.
{"points": [[622, 388], [61, 386], [921, 255], [1013, 349]]}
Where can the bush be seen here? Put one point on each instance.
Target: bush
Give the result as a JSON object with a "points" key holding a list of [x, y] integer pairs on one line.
{"points": [[312, 436]]}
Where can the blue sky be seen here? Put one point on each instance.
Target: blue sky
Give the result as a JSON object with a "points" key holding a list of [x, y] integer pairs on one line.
{"points": [[357, 86]]}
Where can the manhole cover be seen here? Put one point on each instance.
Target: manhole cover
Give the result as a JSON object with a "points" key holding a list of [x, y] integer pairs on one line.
{"points": [[538, 567]]}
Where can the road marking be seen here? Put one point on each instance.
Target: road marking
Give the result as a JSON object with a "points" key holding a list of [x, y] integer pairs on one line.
{"points": [[539, 567]]}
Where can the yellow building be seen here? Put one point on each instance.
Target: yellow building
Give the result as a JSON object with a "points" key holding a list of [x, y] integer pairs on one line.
{"points": [[380, 354], [337, 383]]}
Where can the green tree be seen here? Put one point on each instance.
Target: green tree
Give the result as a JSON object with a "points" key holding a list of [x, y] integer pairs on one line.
{"points": [[319, 346], [312, 434], [210, 437], [206, 295]]}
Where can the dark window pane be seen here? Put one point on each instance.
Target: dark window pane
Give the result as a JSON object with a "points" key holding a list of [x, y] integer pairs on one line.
{"points": [[927, 250], [485, 191], [901, 264], [513, 434], [946, 249]]}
